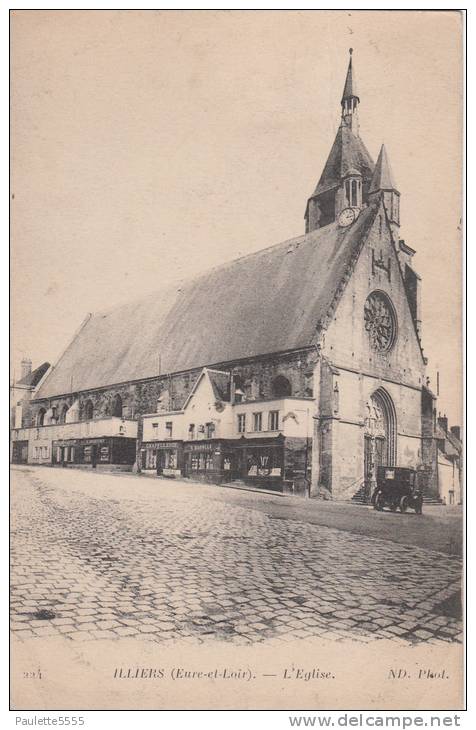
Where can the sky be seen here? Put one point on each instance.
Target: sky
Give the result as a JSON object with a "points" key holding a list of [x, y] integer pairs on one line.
{"points": [[149, 146]]}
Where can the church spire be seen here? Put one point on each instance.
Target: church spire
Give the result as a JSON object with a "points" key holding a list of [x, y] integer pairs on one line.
{"points": [[382, 179], [383, 183], [350, 99], [345, 180]]}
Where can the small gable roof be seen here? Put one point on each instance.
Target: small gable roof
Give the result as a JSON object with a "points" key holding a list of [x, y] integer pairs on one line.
{"points": [[220, 383], [270, 301]]}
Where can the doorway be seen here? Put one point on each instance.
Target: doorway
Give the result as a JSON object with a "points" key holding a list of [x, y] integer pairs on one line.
{"points": [[379, 437]]}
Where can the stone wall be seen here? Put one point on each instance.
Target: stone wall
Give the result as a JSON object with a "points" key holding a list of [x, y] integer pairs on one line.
{"points": [[141, 397]]}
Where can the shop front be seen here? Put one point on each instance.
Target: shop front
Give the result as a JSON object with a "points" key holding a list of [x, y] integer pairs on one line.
{"points": [[278, 464], [260, 463], [208, 461], [95, 452], [164, 458]]}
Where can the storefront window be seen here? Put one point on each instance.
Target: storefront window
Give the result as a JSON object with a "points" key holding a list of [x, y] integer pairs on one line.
{"points": [[71, 453], [194, 462], [171, 460], [264, 462], [87, 451], [151, 459], [104, 453], [209, 461]]}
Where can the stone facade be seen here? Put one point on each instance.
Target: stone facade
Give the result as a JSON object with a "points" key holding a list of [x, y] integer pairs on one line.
{"points": [[352, 371]]}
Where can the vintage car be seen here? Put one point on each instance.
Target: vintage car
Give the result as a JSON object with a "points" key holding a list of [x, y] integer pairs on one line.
{"points": [[397, 488]]}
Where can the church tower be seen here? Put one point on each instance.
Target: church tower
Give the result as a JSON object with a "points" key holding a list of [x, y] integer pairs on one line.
{"points": [[347, 174]]}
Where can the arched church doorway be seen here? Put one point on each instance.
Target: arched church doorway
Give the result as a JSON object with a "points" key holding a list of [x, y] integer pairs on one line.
{"points": [[380, 437]]}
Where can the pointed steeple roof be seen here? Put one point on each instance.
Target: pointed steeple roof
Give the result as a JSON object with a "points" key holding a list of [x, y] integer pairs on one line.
{"points": [[350, 86], [382, 178], [347, 153]]}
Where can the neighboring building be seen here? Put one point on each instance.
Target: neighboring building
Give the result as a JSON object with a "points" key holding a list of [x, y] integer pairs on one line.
{"points": [[21, 393], [450, 462], [297, 368]]}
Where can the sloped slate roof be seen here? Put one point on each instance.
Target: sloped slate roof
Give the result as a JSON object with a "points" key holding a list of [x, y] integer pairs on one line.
{"points": [[270, 301], [35, 376], [347, 152], [382, 178], [455, 441], [450, 447], [220, 383]]}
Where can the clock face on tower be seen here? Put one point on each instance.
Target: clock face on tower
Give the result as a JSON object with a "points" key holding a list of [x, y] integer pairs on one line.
{"points": [[346, 217], [380, 321]]}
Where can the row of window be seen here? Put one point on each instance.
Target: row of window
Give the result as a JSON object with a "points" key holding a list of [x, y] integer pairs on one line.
{"points": [[257, 421], [169, 429], [88, 412], [208, 429], [41, 452]]}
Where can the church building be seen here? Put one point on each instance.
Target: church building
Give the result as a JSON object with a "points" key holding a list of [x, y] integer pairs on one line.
{"points": [[298, 368]]}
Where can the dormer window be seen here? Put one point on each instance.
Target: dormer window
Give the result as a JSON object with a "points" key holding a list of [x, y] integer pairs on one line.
{"points": [[353, 188], [239, 396]]}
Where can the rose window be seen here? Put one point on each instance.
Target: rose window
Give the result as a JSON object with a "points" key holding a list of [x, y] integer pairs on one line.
{"points": [[379, 321]]}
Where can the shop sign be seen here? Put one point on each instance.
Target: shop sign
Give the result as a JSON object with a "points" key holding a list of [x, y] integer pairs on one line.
{"points": [[202, 446], [91, 442], [171, 472]]}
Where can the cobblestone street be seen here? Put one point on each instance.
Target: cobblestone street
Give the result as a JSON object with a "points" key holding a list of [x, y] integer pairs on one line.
{"points": [[100, 556]]}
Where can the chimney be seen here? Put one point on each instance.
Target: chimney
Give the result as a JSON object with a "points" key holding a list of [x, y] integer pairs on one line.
{"points": [[443, 423], [456, 431], [25, 367]]}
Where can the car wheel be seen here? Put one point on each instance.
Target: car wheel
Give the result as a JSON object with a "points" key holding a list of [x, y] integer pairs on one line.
{"points": [[403, 504]]}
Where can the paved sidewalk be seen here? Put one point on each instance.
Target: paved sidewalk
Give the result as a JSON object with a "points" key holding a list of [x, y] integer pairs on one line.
{"points": [[96, 557]]}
